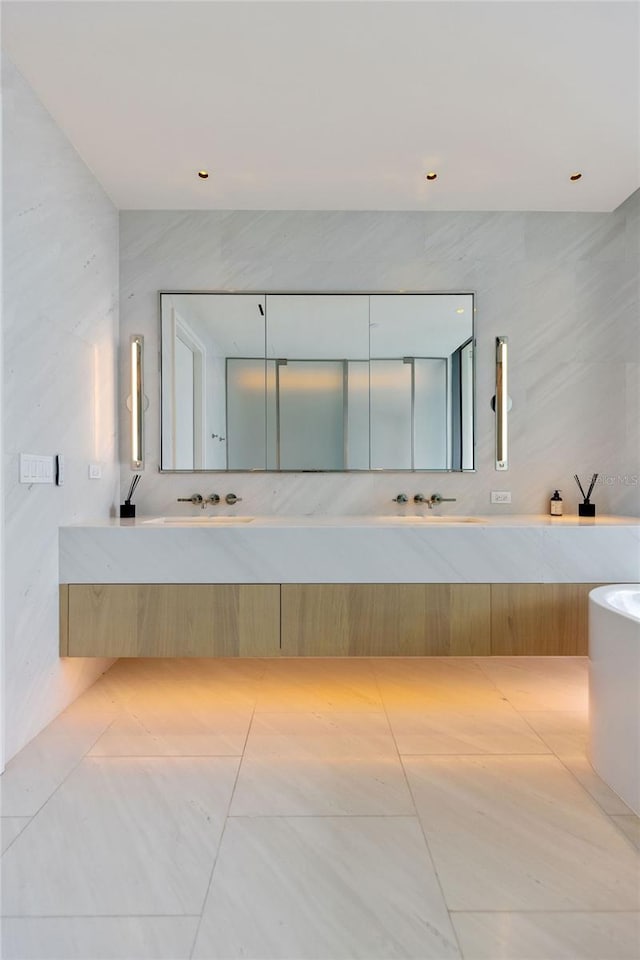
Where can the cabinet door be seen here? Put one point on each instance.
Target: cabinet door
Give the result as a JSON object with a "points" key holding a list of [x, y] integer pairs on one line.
{"points": [[173, 620], [539, 619], [364, 619]]}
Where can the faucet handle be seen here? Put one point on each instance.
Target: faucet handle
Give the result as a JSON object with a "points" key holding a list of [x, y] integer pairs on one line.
{"points": [[213, 498], [401, 498], [420, 498], [438, 498], [196, 498], [231, 499]]}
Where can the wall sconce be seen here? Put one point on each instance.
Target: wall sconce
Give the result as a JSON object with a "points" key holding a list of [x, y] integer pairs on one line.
{"points": [[502, 404], [137, 401]]}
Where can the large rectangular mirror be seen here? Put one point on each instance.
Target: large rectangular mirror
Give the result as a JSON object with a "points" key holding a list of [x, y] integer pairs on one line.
{"points": [[317, 382]]}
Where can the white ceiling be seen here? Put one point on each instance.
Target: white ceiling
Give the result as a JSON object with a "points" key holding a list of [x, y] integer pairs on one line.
{"points": [[342, 105]]}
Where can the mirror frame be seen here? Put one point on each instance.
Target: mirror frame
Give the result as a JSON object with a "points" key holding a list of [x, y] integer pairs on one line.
{"points": [[320, 293]]}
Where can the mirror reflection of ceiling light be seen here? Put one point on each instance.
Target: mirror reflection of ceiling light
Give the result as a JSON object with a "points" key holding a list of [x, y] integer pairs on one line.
{"points": [[460, 310], [575, 176], [432, 175]]}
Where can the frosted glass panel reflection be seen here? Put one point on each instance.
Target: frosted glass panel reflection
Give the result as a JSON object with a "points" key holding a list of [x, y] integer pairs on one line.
{"points": [[357, 442], [245, 414], [391, 435], [431, 414], [311, 408]]}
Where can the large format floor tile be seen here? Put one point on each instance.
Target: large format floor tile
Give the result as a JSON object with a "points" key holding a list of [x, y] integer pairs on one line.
{"points": [[497, 729], [548, 936], [122, 837], [38, 770], [316, 734], [183, 684], [432, 683], [321, 764], [320, 685], [164, 731], [98, 938], [340, 888], [606, 798], [333, 786], [564, 731], [540, 683], [112, 856], [518, 833]]}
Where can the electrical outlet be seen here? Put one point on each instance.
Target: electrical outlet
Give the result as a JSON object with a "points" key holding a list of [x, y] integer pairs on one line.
{"points": [[95, 471], [501, 496]]}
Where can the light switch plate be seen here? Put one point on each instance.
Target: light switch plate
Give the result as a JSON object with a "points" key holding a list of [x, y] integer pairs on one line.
{"points": [[35, 468], [95, 471], [501, 496]]}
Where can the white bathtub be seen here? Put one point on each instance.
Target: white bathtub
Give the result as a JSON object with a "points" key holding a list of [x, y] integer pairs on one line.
{"points": [[614, 688]]}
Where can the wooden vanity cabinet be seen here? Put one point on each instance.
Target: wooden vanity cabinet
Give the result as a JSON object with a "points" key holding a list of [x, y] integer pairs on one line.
{"points": [[386, 619], [323, 620], [171, 620]]}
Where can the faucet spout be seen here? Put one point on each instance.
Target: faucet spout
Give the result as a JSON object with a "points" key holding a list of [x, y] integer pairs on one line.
{"points": [[437, 498]]}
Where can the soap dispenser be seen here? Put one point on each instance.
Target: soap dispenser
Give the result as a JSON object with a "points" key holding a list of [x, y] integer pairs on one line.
{"points": [[555, 504]]}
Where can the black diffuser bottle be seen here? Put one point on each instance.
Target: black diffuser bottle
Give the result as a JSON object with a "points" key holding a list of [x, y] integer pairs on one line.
{"points": [[128, 509], [586, 508]]}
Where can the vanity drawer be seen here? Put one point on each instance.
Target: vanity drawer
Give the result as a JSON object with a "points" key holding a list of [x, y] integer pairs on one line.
{"points": [[386, 619], [171, 620]]}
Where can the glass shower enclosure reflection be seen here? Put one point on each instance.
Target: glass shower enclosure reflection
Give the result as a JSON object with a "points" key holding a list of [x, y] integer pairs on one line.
{"points": [[317, 382]]}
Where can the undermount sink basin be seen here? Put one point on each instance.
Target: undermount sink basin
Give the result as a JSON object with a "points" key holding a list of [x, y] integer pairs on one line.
{"points": [[426, 519], [205, 521]]}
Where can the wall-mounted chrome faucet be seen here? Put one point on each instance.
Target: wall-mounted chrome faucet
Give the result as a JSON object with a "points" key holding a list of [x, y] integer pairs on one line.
{"points": [[231, 499], [401, 498], [195, 499], [434, 500], [198, 500]]}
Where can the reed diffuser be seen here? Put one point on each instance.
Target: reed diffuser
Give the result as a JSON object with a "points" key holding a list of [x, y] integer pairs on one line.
{"points": [[586, 508], [128, 509]]}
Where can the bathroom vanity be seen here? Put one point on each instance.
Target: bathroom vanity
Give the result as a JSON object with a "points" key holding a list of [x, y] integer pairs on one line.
{"points": [[339, 586]]}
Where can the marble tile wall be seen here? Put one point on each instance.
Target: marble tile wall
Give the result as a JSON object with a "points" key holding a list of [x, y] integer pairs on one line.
{"points": [[562, 286], [60, 317]]}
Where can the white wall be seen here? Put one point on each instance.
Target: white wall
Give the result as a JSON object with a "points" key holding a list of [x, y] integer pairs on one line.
{"points": [[60, 315], [562, 286]]}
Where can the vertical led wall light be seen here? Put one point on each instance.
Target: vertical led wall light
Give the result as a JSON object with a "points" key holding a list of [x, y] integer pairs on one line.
{"points": [[137, 401], [501, 404]]}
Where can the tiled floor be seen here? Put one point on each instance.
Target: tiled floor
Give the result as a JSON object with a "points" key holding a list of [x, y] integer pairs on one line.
{"points": [[325, 809]]}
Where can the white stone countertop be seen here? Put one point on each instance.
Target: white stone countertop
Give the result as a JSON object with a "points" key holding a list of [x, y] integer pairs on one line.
{"points": [[402, 548]]}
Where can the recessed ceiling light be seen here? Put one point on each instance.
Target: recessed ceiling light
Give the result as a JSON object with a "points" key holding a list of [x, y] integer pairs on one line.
{"points": [[203, 174], [460, 310], [575, 176], [432, 175]]}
